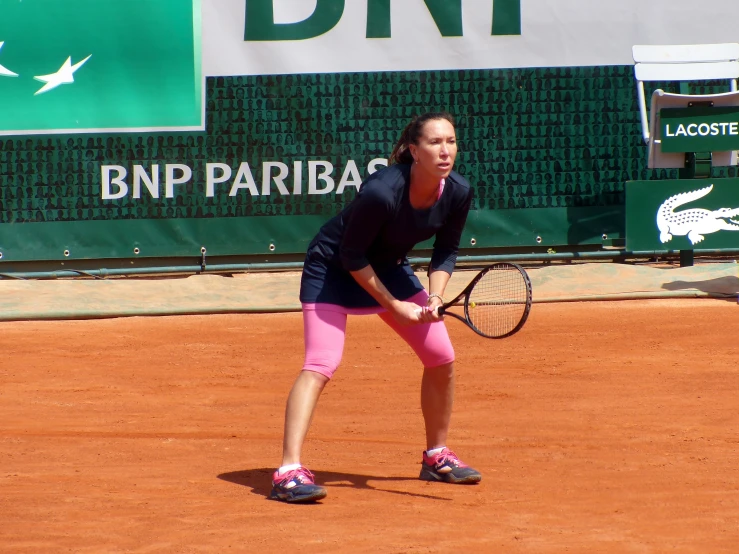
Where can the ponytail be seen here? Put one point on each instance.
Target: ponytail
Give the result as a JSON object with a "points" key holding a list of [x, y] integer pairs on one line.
{"points": [[401, 154]]}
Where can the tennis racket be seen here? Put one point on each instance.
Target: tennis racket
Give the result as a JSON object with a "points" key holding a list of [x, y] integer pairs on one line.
{"points": [[496, 303]]}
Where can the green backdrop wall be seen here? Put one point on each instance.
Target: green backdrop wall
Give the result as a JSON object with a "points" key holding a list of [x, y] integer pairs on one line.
{"points": [[548, 151]]}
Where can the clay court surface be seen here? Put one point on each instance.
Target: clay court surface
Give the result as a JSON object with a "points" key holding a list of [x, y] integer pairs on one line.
{"points": [[600, 427]]}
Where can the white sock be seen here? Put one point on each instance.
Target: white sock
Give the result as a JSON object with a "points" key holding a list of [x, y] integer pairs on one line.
{"points": [[435, 451], [285, 469]]}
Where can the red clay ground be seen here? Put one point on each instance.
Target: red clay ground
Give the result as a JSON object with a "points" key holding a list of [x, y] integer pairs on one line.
{"points": [[600, 427]]}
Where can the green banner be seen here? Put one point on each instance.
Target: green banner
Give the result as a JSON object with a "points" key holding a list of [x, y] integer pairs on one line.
{"points": [[280, 154], [280, 235], [699, 129], [682, 214], [100, 65]]}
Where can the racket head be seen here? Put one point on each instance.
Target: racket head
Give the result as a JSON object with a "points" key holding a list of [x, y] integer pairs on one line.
{"points": [[498, 301]]}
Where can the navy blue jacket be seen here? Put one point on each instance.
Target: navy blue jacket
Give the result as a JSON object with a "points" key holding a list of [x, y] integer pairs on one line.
{"points": [[378, 228]]}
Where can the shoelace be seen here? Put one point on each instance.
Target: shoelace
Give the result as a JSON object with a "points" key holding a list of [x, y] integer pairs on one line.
{"points": [[301, 475], [447, 456]]}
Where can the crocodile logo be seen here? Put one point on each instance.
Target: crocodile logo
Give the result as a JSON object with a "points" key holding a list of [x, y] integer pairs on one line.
{"points": [[694, 222]]}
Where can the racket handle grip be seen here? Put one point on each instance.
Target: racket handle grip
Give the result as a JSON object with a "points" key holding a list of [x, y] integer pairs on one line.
{"points": [[440, 309]]}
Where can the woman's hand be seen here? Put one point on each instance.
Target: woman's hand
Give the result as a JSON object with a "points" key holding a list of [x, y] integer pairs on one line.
{"points": [[430, 312], [407, 313]]}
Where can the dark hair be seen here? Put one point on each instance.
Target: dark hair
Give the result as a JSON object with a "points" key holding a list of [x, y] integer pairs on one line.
{"points": [[401, 153]]}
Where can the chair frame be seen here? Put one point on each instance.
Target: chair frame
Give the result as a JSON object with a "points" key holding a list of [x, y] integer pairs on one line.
{"points": [[684, 62]]}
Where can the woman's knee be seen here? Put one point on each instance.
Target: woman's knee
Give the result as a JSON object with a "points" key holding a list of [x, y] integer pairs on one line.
{"points": [[445, 370], [325, 365], [316, 378]]}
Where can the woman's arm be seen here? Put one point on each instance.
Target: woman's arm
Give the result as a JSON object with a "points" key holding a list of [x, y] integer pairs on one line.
{"points": [[372, 208], [446, 245], [403, 312], [438, 280], [444, 257], [437, 285]]}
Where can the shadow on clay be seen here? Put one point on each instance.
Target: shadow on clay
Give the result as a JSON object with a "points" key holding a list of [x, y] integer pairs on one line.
{"points": [[260, 481], [721, 287]]}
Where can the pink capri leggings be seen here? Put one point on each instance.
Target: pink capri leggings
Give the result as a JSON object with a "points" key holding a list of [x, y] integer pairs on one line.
{"points": [[325, 330]]}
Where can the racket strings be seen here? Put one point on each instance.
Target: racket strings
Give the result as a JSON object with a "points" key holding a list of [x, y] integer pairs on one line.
{"points": [[498, 301]]}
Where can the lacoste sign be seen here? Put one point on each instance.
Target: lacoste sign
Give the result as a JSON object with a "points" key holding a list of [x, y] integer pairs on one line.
{"points": [[98, 65], [699, 129]]}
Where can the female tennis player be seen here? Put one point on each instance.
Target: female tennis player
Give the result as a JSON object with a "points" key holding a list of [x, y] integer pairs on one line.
{"points": [[357, 265]]}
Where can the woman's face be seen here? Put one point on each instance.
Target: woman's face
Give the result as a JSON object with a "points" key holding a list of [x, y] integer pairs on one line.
{"points": [[436, 148]]}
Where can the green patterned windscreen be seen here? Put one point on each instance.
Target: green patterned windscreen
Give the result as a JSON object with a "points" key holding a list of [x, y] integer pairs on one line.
{"points": [[533, 142]]}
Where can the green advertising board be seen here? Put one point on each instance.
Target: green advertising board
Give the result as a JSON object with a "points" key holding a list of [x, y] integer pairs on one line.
{"points": [[100, 66], [280, 154], [682, 214], [699, 129]]}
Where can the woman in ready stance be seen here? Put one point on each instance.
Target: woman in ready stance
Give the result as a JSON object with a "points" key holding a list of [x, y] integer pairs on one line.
{"points": [[357, 265]]}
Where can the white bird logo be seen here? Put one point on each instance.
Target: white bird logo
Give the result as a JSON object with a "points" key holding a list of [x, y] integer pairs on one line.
{"points": [[65, 75], [3, 70]]}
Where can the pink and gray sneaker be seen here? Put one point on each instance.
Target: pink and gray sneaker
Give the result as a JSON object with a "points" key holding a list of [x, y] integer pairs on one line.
{"points": [[296, 485], [447, 468]]}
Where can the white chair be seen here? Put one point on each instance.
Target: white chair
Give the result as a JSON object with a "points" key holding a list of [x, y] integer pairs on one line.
{"points": [[686, 62]]}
